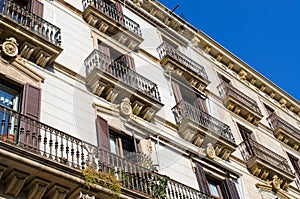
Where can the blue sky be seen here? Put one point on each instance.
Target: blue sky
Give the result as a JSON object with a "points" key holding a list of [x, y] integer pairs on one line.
{"points": [[264, 34]]}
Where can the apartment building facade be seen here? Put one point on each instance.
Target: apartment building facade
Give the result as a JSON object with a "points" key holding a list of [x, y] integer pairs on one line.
{"points": [[125, 99]]}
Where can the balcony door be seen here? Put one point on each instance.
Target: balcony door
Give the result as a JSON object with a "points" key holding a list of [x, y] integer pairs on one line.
{"points": [[9, 99], [29, 106], [217, 188], [184, 93], [112, 141]]}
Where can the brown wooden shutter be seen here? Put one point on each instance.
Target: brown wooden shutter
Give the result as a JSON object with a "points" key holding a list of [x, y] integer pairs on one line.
{"points": [[36, 7], [177, 92], [230, 190], [127, 60], [201, 104], [201, 178], [31, 101], [31, 108], [103, 134], [103, 49], [120, 17]]}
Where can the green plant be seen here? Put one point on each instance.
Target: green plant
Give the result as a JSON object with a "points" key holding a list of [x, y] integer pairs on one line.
{"points": [[160, 187], [107, 180]]}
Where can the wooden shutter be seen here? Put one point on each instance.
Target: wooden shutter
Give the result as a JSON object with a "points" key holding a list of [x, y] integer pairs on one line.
{"points": [[103, 49], [201, 104], [120, 17], [31, 107], [177, 92], [105, 60], [31, 101], [127, 60], [36, 7], [103, 134], [230, 190], [201, 178]]}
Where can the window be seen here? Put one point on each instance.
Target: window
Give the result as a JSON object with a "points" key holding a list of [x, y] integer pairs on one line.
{"points": [[112, 141], [245, 133], [112, 54], [121, 145], [29, 105], [269, 109], [9, 97], [214, 187], [224, 79], [295, 163], [171, 44], [217, 188], [34, 6], [183, 92]]}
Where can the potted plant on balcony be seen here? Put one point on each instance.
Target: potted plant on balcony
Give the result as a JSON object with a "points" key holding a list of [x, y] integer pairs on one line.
{"points": [[160, 187], [107, 180], [10, 138]]}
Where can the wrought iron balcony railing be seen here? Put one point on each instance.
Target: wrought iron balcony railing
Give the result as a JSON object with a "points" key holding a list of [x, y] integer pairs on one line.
{"points": [[184, 110], [114, 14], [228, 90], [30, 21], [277, 122], [166, 49], [251, 149], [100, 61], [60, 147]]}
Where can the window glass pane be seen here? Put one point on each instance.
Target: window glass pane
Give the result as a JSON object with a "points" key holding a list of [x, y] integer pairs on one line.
{"points": [[113, 144], [9, 97], [214, 190]]}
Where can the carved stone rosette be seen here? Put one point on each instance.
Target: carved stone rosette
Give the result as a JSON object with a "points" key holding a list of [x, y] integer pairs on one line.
{"points": [[125, 107], [9, 48]]}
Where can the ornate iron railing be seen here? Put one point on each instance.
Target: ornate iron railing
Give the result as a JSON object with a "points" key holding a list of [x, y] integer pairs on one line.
{"points": [[251, 149], [277, 122], [53, 144], [100, 61], [226, 89], [184, 110], [166, 49], [114, 14], [30, 21]]}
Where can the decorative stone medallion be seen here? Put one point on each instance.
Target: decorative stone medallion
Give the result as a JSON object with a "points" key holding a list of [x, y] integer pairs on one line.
{"points": [[10, 47], [85, 196], [210, 151], [125, 107], [276, 182]]}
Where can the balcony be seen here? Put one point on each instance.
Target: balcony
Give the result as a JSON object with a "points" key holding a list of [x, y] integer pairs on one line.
{"points": [[39, 161], [174, 61], [199, 128], [265, 164], [39, 41], [112, 22], [114, 81], [284, 131], [240, 103]]}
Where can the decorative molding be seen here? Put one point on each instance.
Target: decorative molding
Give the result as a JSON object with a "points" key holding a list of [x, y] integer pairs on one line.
{"points": [[210, 151], [268, 187], [125, 107], [10, 47], [85, 196]]}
